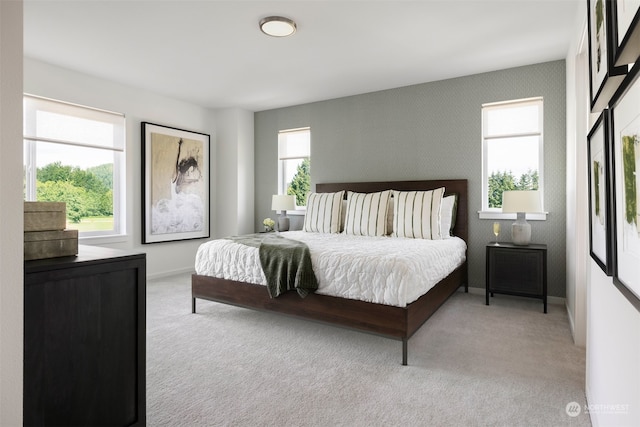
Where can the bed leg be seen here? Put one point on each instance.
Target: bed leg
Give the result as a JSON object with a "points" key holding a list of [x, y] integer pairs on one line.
{"points": [[404, 351], [193, 305]]}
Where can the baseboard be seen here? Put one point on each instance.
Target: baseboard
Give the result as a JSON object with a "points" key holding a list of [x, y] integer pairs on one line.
{"points": [[550, 299], [572, 325], [587, 394], [557, 300], [169, 273]]}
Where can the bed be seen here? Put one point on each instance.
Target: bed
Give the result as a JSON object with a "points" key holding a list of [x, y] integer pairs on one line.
{"points": [[392, 321]]}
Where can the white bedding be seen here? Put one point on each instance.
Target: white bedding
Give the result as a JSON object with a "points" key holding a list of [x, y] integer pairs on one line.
{"points": [[384, 270]]}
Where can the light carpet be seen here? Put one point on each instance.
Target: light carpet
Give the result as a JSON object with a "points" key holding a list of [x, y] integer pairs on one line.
{"points": [[507, 364]]}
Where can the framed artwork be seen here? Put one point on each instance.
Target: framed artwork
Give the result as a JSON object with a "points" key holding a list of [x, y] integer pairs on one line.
{"points": [[175, 183], [600, 193], [604, 78], [626, 26], [626, 148]]}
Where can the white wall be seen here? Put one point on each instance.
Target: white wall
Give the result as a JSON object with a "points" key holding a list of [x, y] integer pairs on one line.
{"points": [[613, 353], [577, 216], [11, 220], [235, 172], [611, 330], [232, 174]]}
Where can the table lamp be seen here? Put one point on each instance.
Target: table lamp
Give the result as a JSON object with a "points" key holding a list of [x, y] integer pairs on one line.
{"points": [[521, 202], [283, 203]]}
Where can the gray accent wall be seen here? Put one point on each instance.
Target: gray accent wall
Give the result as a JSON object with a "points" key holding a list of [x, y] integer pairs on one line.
{"points": [[426, 131]]}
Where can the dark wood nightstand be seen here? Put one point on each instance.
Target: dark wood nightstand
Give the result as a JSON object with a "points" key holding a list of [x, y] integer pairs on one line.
{"points": [[517, 270]]}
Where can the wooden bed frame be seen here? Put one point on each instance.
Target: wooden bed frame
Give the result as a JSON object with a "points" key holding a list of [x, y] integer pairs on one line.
{"points": [[398, 323]]}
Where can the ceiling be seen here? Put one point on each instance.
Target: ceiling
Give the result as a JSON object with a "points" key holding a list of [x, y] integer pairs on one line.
{"points": [[212, 53]]}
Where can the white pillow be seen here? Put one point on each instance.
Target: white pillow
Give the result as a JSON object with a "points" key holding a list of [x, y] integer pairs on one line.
{"points": [[448, 215], [390, 215], [416, 214], [323, 212], [367, 213]]}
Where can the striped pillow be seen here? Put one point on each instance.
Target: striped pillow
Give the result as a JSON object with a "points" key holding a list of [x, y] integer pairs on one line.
{"points": [[367, 213], [416, 214], [323, 212]]}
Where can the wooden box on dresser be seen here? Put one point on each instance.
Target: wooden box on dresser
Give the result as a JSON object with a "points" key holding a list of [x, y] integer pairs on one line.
{"points": [[84, 339]]}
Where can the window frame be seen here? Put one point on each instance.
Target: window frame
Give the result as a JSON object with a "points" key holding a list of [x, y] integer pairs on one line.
{"points": [[35, 103], [300, 210], [496, 213]]}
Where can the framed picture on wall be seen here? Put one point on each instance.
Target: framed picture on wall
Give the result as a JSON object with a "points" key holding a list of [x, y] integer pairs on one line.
{"points": [[604, 77], [175, 184], [626, 31], [600, 193], [626, 149]]}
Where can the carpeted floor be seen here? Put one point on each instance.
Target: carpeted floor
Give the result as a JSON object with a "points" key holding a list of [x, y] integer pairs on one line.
{"points": [[507, 364]]}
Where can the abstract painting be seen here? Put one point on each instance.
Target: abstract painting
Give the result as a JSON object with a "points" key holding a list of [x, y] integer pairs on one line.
{"points": [[175, 184], [626, 120], [600, 226], [604, 78]]}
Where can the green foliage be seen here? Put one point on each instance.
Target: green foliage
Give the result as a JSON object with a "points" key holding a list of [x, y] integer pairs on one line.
{"points": [[596, 184], [301, 183], [86, 192], [54, 172], [500, 182], [86, 180], [64, 191], [599, 15], [599, 27], [629, 144], [104, 173], [105, 204]]}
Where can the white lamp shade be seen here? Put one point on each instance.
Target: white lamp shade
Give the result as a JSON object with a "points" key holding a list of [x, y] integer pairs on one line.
{"points": [[283, 202], [521, 201]]}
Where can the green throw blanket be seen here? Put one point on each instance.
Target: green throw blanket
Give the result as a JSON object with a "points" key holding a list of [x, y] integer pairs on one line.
{"points": [[286, 263]]}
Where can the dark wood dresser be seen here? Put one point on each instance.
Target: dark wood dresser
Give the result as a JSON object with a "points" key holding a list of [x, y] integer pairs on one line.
{"points": [[84, 339]]}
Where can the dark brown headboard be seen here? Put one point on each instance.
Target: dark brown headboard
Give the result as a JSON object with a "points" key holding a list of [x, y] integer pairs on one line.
{"points": [[452, 186]]}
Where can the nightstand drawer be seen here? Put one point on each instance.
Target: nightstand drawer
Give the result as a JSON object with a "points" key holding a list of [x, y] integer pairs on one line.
{"points": [[516, 271]]}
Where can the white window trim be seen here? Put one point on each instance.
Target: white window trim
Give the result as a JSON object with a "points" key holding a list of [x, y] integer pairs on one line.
{"points": [[496, 213]]}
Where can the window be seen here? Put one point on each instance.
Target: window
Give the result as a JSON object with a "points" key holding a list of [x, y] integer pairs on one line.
{"points": [[294, 163], [512, 148], [75, 154]]}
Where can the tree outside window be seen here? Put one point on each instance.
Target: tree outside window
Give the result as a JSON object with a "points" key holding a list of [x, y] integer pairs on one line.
{"points": [[87, 193], [499, 182], [301, 183]]}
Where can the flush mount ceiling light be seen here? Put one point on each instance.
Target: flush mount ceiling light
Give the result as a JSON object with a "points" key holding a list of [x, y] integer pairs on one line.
{"points": [[277, 26]]}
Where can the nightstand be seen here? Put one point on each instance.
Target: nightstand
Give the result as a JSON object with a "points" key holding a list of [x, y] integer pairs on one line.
{"points": [[517, 270]]}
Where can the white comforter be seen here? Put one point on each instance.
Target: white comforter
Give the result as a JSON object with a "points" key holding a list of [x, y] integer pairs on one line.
{"points": [[383, 270]]}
